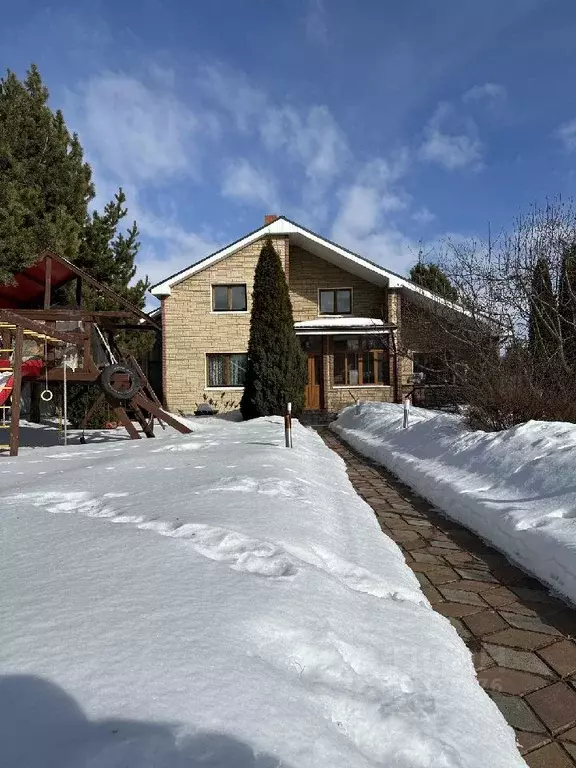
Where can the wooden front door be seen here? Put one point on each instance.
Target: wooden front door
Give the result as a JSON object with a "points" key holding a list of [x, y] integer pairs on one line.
{"points": [[314, 393]]}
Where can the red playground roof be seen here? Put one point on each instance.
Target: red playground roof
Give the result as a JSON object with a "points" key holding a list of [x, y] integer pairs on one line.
{"points": [[28, 290]]}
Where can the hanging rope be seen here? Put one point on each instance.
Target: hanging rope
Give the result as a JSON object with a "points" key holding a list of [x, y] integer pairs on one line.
{"points": [[46, 395]]}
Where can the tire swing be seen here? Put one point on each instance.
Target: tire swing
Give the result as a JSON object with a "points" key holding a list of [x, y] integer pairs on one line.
{"points": [[123, 390]]}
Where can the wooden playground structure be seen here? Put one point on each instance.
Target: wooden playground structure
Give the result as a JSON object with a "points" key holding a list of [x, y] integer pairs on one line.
{"points": [[44, 342]]}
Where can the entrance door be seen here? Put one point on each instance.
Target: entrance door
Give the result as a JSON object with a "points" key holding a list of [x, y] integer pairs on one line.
{"points": [[314, 385]]}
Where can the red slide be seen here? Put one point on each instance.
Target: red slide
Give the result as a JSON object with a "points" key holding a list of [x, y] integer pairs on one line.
{"points": [[29, 368]]}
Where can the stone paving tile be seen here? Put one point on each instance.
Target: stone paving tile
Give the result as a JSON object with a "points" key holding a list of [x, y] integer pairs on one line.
{"points": [[531, 623], [485, 623], [474, 574], [426, 557], [561, 657], [499, 596], [462, 596], [511, 681], [518, 713], [550, 756], [527, 742], [519, 638], [524, 661], [519, 635], [458, 610], [555, 706], [569, 735]]}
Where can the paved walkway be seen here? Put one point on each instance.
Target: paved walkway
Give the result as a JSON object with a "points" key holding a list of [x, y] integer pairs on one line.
{"points": [[520, 636]]}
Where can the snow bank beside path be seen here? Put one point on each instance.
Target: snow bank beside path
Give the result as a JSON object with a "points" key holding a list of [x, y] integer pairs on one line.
{"points": [[516, 489], [217, 600]]}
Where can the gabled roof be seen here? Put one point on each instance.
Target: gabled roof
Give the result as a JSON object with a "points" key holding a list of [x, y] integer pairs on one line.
{"points": [[310, 241]]}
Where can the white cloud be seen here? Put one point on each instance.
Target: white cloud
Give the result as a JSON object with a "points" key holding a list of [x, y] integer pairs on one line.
{"points": [[453, 148], [567, 135], [363, 222], [315, 22], [490, 91], [313, 139], [423, 216], [243, 181], [136, 132]]}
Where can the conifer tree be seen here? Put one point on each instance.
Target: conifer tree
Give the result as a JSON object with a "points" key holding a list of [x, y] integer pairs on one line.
{"points": [[431, 277], [45, 185], [567, 305], [276, 372], [542, 337]]}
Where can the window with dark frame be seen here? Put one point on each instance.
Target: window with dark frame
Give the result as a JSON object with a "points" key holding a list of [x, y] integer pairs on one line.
{"points": [[336, 301], [361, 361], [229, 298], [226, 370]]}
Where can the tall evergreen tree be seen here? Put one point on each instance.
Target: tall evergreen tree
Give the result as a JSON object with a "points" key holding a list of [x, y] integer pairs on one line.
{"points": [[567, 305], [45, 191], [276, 372], [431, 277], [542, 336], [45, 185]]}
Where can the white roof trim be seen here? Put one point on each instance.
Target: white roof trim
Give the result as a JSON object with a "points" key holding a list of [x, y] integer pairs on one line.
{"points": [[283, 226]]}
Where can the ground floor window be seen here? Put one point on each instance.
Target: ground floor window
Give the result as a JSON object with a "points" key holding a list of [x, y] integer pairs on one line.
{"points": [[361, 360], [226, 370]]}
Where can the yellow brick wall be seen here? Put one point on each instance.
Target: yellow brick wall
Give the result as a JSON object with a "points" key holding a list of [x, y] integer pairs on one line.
{"points": [[191, 329], [309, 273]]}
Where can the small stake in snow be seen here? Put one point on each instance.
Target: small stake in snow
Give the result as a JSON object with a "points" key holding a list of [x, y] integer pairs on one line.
{"points": [[406, 411], [288, 426]]}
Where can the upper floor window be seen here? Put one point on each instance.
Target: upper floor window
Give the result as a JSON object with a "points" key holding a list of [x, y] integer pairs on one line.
{"points": [[229, 298], [336, 302]]}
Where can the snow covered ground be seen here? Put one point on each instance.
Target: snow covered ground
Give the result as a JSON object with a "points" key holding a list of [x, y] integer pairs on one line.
{"points": [[218, 600], [515, 488]]}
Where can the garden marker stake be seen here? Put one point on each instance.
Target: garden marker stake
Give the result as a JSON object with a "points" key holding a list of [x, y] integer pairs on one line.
{"points": [[406, 411], [288, 426]]}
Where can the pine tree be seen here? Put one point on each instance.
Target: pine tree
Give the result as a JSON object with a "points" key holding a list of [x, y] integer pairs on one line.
{"points": [[431, 277], [567, 305], [45, 185], [542, 339], [45, 190], [276, 372]]}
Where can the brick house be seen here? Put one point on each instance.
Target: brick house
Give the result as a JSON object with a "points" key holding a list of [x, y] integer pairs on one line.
{"points": [[347, 313]]}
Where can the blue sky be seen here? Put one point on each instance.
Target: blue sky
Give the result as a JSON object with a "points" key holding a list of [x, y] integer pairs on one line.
{"points": [[378, 124]]}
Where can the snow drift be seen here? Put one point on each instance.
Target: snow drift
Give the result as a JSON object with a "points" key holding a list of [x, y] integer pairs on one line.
{"points": [[515, 488], [218, 600]]}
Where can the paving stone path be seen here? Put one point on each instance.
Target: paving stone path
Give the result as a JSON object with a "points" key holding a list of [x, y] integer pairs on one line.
{"points": [[520, 636]]}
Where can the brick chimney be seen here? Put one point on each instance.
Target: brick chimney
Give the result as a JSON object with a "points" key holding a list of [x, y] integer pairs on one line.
{"points": [[270, 217]]}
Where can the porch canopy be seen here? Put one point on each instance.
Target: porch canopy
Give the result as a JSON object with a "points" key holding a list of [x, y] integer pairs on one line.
{"points": [[333, 326]]}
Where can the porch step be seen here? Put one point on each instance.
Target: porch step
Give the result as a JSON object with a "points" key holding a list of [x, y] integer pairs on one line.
{"points": [[316, 418]]}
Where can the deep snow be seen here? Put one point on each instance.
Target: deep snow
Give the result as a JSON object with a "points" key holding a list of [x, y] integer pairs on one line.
{"points": [[218, 600], [515, 488]]}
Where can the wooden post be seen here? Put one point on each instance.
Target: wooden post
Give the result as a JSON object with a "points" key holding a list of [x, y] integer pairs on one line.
{"points": [[48, 282], [16, 393], [79, 291]]}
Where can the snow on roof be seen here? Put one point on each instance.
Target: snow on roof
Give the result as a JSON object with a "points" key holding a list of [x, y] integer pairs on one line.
{"points": [[305, 238], [340, 322]]}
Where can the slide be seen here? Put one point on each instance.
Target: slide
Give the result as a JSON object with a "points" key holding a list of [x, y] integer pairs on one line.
{"points": [[31, 368]]}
